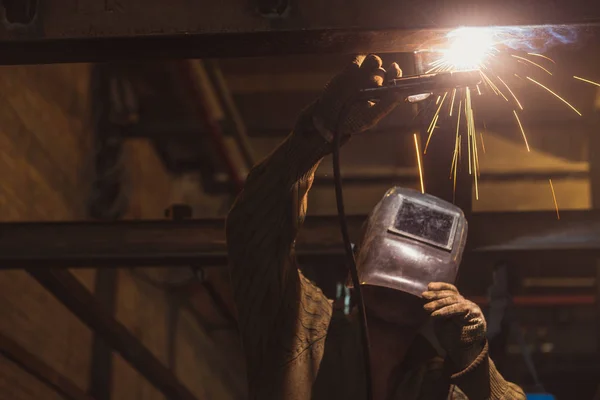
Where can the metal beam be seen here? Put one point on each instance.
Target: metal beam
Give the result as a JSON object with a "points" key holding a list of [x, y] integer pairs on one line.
{"points": [[40, 370], [88, 19], [209, 45], [127, 29], [411, 178], [101, 370], [71, 293], [202, 242]]}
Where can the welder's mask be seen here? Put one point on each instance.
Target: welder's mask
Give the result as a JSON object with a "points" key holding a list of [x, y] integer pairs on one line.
{"points": [[410, 240]]}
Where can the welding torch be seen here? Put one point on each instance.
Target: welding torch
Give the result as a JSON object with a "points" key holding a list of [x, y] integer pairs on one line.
{"points": [[416, 85]]}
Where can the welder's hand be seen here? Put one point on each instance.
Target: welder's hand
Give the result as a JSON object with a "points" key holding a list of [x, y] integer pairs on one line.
{"points": [[459, 323], [339, 98]]}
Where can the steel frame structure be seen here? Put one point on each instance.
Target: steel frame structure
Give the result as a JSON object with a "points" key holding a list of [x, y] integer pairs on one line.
{"points": [[91, 31]]}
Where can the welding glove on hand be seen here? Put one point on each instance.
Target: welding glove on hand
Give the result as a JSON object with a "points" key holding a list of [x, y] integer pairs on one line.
{"points": [[459, 323], [337, 108]]}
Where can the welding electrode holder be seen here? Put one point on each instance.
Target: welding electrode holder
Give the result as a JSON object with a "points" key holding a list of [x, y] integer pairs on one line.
{"points": [[419, 84]]}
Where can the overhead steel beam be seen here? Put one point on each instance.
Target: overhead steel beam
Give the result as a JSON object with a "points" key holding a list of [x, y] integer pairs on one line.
{"points": [[202, 242], [210, 45], [87, 30]]}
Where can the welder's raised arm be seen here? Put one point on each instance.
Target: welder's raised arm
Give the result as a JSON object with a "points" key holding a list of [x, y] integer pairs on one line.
{"points": [[282, 317], [280, 314]]}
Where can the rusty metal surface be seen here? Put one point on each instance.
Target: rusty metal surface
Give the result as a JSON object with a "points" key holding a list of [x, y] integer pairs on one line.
{"points": [[54, 19], [210, 45], [202, 242], [87, 30]]}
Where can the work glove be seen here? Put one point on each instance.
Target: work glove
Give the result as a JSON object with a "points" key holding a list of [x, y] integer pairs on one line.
{"points": [[338, 108], [459, 324]]}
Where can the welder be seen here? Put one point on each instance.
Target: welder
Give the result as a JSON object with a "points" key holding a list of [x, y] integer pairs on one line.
{"points": [[426, 343]]}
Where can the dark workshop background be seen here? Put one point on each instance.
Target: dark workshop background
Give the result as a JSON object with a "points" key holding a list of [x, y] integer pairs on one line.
{"points": [[170, 140]]}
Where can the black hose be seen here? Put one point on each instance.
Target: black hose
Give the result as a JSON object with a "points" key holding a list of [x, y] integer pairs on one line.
{"points": [[350, 256]]}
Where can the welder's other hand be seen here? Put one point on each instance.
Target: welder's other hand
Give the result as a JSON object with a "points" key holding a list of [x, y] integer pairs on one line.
{"points": [[340, 94], [459, 323]]}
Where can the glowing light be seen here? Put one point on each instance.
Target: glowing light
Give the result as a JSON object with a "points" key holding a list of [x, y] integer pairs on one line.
{"points": [[468, 48], [482, 49]]}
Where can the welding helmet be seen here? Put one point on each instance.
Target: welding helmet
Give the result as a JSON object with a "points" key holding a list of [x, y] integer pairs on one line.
{"points": [[410, 240]]}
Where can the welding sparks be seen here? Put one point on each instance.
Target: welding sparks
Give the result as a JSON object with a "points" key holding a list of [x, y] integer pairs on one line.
{"points": [[436, 115], [557, 96], [542, 56], [452, 103], [418, 150], [456, 146], [522, 130], [511, 92], [554, 198], [482, 144], [472, 141], [532, 63], [468, 136], [433, 122], [587, 80], [493, 86], [481, 49], [430, 134]]}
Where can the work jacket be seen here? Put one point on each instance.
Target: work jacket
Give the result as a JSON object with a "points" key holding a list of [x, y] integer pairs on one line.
{"points": [[295, 347]]}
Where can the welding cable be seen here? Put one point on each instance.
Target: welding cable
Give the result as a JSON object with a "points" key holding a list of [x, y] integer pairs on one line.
{"points": [[339, 196]]}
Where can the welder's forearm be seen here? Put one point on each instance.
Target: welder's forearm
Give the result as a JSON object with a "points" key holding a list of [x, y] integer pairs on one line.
{"points": [[271, 183], [263, 220]]}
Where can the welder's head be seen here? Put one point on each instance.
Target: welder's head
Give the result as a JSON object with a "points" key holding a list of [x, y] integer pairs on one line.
{"points": [[409, 240]]}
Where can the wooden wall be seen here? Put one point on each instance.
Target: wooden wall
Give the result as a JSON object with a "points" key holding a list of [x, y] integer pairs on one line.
{"points": [[44, 145]]}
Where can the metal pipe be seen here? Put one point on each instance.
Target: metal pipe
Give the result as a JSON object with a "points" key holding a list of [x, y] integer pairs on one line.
{"points": [[239, 129], [190, 70]]}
